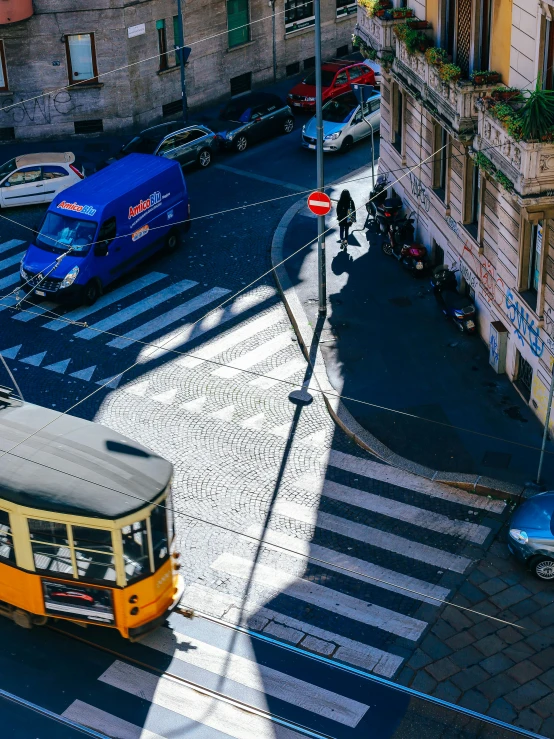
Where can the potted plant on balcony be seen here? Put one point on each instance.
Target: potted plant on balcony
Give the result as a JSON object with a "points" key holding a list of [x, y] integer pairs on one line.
{"points": [[417, 24], [449, 72], [436, 56], [537, 115], [387, 59], [507, 94], [402, 13], [487, 77]]}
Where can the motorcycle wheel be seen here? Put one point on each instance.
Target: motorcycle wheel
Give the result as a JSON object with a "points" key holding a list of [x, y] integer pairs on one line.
{"points": [[387, 248]]}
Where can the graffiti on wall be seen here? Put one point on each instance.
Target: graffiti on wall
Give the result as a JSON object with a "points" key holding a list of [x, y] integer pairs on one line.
{"points": [[419, 191], [524, 324], [40, 109], [481, 274]]}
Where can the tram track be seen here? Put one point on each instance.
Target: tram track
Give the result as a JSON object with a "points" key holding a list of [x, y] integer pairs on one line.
{"points": [[207, 692]]}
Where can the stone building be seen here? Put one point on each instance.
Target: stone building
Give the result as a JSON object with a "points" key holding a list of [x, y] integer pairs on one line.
{"points": [[484, 197], [46, 45]]}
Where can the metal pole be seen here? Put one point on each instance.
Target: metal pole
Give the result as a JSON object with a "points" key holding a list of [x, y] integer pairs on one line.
{"points": [[274, 41], [372, 146], [321, 269], [546, 425], [182, 61]]}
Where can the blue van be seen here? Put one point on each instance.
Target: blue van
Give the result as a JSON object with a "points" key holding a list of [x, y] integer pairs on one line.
{"points": [[102, 227]]}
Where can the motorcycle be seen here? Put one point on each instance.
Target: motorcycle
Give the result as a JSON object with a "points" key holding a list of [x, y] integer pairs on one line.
{"points": [[456, 307], [381, 209], [400, 244]]}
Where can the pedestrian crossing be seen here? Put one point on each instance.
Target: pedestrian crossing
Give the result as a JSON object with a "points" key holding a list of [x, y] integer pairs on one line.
{"points": [[351, 559]]}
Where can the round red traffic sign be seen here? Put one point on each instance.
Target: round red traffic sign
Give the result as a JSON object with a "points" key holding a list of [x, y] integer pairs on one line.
{"points": [[319, 203]]}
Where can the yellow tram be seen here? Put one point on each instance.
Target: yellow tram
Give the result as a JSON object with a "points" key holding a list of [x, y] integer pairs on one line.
{"points": [[86, 524]]}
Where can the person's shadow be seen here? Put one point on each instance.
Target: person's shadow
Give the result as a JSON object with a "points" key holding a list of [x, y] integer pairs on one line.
{"points": [[342, 262]]}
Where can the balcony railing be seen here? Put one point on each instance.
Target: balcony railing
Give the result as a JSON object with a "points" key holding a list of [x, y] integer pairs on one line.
{"points": [[376, 32], [454, 104], [12, 11], [529, 166]]}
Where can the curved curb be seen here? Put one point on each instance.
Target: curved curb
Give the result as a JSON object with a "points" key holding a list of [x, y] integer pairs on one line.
{"points": [[338, 411]]}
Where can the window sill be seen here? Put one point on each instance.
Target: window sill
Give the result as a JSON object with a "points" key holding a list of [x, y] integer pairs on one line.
{"points": [[239, 46], [161, 72], [73, 86], [300, 31], [344, 17]]}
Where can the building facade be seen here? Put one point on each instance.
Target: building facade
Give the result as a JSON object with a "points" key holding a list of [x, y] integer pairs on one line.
{"points": [[483, 190], [121, 52]]}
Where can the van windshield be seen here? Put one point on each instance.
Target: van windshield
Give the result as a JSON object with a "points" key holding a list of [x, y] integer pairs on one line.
{"points": [[58, 233]]}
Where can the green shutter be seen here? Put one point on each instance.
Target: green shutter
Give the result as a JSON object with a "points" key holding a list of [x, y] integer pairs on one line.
{"points": [[160, 25], [176, 36], [237, 22]]}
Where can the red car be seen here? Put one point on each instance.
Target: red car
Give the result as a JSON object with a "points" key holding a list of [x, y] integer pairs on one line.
{"points": [[335, 78]]}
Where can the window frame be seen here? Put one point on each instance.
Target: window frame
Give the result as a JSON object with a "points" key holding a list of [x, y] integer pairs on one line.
{"points": [[6, 87], [398, 119], [91, 80], [243, 28], [547, 55], [161, 35], [441, 163], [473, 200], [345, 7], [304, 21], [9, 538]]}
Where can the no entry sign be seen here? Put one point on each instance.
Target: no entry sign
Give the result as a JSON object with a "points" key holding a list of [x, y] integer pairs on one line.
{"points": [[319, 203]]}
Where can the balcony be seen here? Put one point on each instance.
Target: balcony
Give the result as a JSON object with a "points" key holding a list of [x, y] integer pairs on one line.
{"points": [[453, 104], [529, 166], [12, 11], [376, 32]]}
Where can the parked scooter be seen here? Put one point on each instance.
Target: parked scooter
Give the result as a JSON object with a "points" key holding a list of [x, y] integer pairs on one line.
{"points": [[458, 308], [380, 209], [400, 244]]}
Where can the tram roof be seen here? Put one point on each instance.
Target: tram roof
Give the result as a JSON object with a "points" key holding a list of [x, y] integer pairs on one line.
{"points": [[69, 465]]}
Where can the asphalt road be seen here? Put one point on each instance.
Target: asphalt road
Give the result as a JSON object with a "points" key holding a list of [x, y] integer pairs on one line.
{"points": [[355, 560]]}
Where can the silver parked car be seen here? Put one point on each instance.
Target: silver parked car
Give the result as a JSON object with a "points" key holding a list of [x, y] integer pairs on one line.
{"points": [[343, 122], [193, 144]]}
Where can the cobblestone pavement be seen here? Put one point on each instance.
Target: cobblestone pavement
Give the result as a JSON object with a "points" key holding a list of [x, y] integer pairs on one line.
{"points": [[505, 670], [284, 524]]}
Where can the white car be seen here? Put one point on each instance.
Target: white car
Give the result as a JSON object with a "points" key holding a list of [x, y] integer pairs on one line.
{"points": [[345, 122], [37, 178], [377, 71]]}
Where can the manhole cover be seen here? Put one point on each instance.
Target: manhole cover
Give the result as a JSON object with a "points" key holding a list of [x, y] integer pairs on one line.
{"points": [[501, 460], [401, 302]]}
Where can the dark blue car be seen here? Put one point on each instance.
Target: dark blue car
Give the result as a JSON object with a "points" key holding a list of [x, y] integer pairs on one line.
{"points": [[531, 537]]}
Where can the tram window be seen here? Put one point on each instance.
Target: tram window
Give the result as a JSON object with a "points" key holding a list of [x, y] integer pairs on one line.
{"points": [[93, 553], [50, 547], [135, 550], [6, 541], [158, 526]]}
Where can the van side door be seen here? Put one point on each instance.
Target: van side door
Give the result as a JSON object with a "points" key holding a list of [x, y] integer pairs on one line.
{"points": [[108, 251]]}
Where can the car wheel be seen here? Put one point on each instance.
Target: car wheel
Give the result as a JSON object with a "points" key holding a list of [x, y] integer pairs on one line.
{"points": [[241, 143], [91, 292], [205, 158], [347, 143], [172, 240], [288, 125], [543, 568]]}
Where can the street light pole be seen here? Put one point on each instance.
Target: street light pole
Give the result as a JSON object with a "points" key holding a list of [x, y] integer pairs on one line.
{"points": [[272, 3], [181, 45], [321, 268], [546, 425]]}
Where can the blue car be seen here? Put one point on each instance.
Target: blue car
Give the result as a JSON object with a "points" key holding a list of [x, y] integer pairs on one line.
{"points": [[102, 227], [531, 537]]}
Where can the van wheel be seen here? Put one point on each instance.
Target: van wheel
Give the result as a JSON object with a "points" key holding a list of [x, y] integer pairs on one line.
{"points": [[172, 240], [205, 158], [91, 292], [241, 143]]}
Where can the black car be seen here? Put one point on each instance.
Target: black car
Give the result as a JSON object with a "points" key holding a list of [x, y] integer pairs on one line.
{"points": [[250, 118], [190, 144]]}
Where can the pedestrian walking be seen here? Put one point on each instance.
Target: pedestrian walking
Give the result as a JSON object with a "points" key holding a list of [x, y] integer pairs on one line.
{"points": [[346, 214]]}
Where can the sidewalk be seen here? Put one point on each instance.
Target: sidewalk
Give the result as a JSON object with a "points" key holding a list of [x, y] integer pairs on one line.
{"points": [[427, 391]]}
